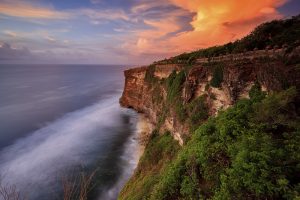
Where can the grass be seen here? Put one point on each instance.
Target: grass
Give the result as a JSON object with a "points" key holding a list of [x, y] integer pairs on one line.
{"points": [[10, 193], [79, 187], [76, 188]]}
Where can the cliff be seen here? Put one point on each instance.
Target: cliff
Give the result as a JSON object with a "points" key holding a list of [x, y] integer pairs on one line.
{"points": [[234, 110], [221, 82]]}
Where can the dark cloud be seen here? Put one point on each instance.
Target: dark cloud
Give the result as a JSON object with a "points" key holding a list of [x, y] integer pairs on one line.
{"points": [[9, 53], [291, 8]]}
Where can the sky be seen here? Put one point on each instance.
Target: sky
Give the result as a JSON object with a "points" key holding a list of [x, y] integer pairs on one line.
{"points": [[126, 31]]}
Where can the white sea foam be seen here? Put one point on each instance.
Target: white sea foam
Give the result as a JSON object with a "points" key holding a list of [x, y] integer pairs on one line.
{"points": [[133, 151], [34, 162]]}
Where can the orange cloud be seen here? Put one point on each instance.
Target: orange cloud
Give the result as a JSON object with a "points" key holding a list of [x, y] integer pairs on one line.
{"points": [[215, 22], [218, 22], [26, 10], [215, 12]]}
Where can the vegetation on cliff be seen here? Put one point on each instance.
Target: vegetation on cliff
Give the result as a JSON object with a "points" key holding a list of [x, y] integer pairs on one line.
{"points": [[174, 84], [250, 151], [193, 113], [160, 150], [217, 77]]}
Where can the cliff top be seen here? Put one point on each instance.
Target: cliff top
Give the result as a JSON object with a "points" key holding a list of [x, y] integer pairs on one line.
{"points": [[276, 34]]}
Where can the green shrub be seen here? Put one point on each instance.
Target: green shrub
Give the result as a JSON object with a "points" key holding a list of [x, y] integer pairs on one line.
{"points": [[180, 112], [217, 78], [157, 97], [174, 86], [149, 75], [160, 150], [170, 79], [250, 150], [197, 111], [255, 92]]}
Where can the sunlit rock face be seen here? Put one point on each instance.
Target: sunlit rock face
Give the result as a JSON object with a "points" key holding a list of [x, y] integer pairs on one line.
{"points": [[238, 76]]}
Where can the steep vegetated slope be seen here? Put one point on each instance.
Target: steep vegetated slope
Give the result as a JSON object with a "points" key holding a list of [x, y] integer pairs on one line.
{"points": [[234, 110]]}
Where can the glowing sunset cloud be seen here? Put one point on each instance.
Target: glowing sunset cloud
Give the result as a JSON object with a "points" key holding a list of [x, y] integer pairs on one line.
{"points": [[224, 21], [215, 22]]}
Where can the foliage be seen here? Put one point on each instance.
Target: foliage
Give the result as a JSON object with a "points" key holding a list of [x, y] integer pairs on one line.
{"points": [[170, 79], [159, 150], [180, 111], [217, 78], [249, 151], [197, 111], [255, 92], [162, 116], [149, 75], [157, 94], [174, 86]]}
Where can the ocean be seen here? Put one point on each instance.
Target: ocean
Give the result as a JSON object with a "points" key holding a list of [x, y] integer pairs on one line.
{"points": [[58, 122]]}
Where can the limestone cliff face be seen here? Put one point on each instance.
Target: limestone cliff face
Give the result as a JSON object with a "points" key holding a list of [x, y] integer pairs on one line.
{"points": [[238, 76], [134, 95]]}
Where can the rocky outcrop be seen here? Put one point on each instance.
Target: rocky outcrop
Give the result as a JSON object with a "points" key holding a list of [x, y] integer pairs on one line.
{"points": [[134, 89], [237, 78]]}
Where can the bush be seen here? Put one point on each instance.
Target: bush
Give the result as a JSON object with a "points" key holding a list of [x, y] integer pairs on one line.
{"points": [[149, 75], [170, 79], [217, 78], [157, 97], [159, 151], [198, 111], [180, 112], [249, 151], [255, 92], [174, 86]]}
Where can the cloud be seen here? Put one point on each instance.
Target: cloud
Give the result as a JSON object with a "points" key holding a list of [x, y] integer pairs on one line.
{"points": [[132, 30], [23, 9], [28, 10], [10, 33], [143, 6], [218, 21], [213, 22], [107, 14], [50, 38], [9, 53], [95, 1]]}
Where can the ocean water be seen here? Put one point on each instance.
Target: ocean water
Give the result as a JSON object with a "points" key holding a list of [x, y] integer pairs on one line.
{"points": [[59, 121]]}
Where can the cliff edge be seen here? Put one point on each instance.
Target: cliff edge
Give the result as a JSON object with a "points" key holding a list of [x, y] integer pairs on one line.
{"points": [[235, 110], [218, 83]]}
